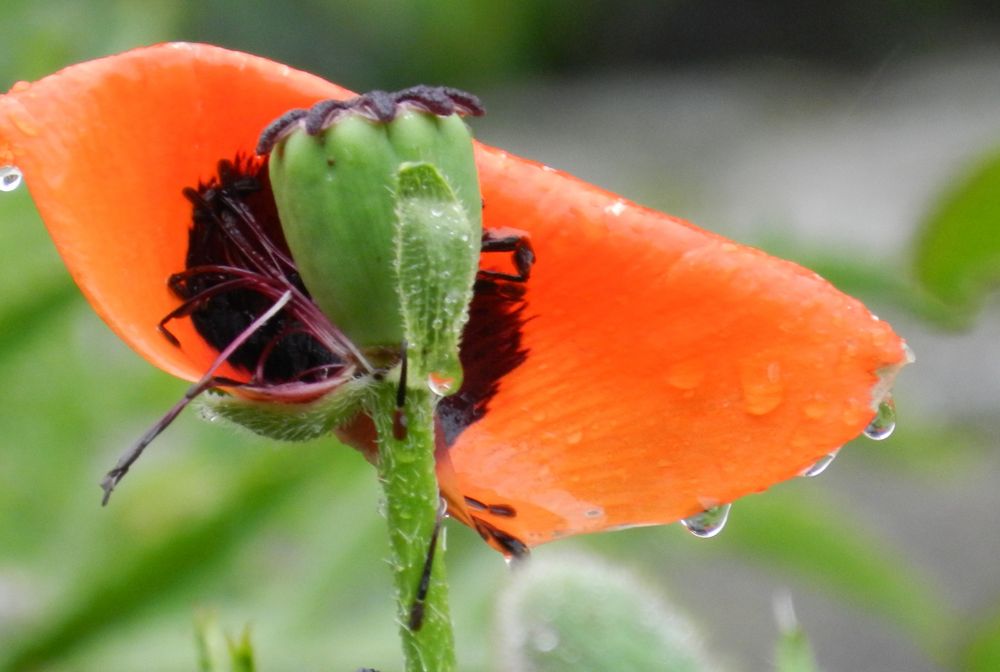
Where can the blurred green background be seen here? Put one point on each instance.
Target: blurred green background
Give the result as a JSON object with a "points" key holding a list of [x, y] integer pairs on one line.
{"points": [[858, 138]]}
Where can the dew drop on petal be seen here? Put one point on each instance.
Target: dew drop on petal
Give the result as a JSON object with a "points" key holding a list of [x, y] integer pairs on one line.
{"points": [[440, 384], [884, 422], [709, 522], [819, 467], [10, 178], [763, 389], [616, 208]]}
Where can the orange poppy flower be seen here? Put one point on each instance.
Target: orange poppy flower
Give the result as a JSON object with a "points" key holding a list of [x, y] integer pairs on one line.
{"points": [[653, 369]]}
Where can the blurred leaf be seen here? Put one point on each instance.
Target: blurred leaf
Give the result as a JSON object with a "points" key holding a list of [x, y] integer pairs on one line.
{"points": [[981, 651], [137, 580], [877, 283], [211, 643], [958, 253], [930, 450], [207, 636], [241, 652], [22, 320], [792, 652], [803, 535]]}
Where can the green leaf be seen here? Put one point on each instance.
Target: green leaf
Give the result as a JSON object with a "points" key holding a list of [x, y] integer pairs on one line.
{"points": [[241, 652], [958, 253], [812, 538], [207, 636], [134, 581]]}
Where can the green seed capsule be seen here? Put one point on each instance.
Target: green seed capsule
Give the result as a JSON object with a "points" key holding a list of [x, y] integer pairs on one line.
{"points": [[338, 197]]}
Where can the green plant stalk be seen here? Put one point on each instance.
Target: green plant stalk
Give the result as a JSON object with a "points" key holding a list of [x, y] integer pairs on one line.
{"points": [[406, 471]]}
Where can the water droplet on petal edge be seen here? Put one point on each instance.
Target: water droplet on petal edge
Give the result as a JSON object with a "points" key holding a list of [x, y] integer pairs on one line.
{"points": [[819, 467], [10, 178], [709, 522], [884, 422]]}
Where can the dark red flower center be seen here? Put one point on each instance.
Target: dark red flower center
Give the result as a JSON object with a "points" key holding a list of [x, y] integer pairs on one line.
{"points": [[238, 264]]}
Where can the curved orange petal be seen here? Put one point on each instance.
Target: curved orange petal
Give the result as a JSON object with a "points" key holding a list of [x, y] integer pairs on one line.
{"points": [[106, 148], [668, 370]]}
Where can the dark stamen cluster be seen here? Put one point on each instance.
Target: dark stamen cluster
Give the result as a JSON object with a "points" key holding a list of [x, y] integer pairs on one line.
{"points": [[381, 106], [237, 266]]}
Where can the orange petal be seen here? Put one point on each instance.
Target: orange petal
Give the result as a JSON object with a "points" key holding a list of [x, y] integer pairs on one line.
{"points": [[106, 148], [669, 369]]}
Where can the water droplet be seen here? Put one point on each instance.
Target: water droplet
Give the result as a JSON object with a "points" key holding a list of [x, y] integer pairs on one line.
{"points": [[709, 522], [685, 375], [595, 512], [884, 422], [616, 208], [441, 384], [819, 467], [436, 212], [816, 409], [574, 438], [763, 390], [10, 178]]}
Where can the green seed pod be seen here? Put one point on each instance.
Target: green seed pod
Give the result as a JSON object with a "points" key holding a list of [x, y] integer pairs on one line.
{"points": [[336, 193]]}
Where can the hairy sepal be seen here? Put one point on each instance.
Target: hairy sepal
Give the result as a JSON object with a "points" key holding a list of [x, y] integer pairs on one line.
{"points": [[289, 421]]}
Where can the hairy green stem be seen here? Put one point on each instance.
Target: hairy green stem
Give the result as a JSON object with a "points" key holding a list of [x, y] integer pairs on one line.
{"points": [[406, 470]]}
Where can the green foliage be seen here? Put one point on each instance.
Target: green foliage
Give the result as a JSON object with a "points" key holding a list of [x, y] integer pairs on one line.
{"points": [[958, 255], [799, 532], [215, 649], [981, 650], [792, 652]]}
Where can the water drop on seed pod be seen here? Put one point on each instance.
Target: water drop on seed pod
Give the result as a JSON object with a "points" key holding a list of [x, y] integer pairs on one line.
{"points": [[709, 522], [10, 178]]}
